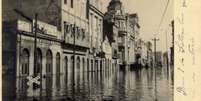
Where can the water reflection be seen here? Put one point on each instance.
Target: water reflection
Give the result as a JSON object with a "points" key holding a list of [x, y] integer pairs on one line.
{"points": [[119, 85]]}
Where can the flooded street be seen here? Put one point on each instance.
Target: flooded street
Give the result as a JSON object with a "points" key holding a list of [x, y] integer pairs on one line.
{"points": [[118, 85]]}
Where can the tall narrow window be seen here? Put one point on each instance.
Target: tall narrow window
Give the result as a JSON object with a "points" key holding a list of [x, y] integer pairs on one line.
{"points": [[87, 9], [38, 68], [66, 70], [58, 70], [49, 62], [72, 3], [49, 68], [71, 69], [65, 1], [83, 64], [78, 64], [92, 63], [101, 65], [87, 65], [58, 63], [66, 65], [78, 70], [25, 62]]}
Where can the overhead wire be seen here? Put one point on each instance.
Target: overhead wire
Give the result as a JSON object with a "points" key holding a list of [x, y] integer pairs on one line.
{"points": [[163, 15]]}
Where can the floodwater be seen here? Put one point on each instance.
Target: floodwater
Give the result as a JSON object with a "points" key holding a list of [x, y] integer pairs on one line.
{"points": [[109, 85]]}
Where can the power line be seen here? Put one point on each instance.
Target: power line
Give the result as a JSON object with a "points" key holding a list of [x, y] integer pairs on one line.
{"points": [[163, 15]]}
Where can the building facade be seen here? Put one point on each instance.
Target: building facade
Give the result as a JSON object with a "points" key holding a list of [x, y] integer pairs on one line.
{"points": [[123, 30], [133, 33], [96, 33], [68, 38], [115, 28]]}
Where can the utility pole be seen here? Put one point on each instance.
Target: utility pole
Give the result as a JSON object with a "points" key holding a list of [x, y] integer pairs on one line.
{"points": [[35, 43], [73, 76], [167, 56], [35, 52], [155, 39], [34, 30], [172, 55]]}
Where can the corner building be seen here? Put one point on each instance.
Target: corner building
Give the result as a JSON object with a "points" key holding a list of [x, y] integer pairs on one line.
{"points": [[59, 23]]}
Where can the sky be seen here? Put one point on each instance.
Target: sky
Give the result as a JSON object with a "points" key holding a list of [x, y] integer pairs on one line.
{"points": [[150, 13]]}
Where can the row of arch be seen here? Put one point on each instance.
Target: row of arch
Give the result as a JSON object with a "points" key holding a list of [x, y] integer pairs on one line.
{"points": [[25, 62]]}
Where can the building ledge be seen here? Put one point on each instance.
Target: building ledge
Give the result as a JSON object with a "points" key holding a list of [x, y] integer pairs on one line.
{"points": [[96, 10]]}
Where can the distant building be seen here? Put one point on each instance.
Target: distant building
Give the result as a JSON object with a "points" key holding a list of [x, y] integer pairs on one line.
{"points": [[96, 32], [149, 54], [132, 33], [122, 29], [112, 19], [159, 58]]}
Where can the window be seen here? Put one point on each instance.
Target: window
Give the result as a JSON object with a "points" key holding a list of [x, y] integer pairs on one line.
{"points": [[66, 65], [92, 63], [25, 62], [58, 70], [72, 61], [96, 64], [38, 68], [101, 63], [71, 3], [49, 68], [58, 63], [78, 65], [87, 64], [65, 1], [83, 64], [87, 9], [49, 62]]}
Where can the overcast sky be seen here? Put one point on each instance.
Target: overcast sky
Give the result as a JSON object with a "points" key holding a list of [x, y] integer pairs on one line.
{"points": [[150, 14]]}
